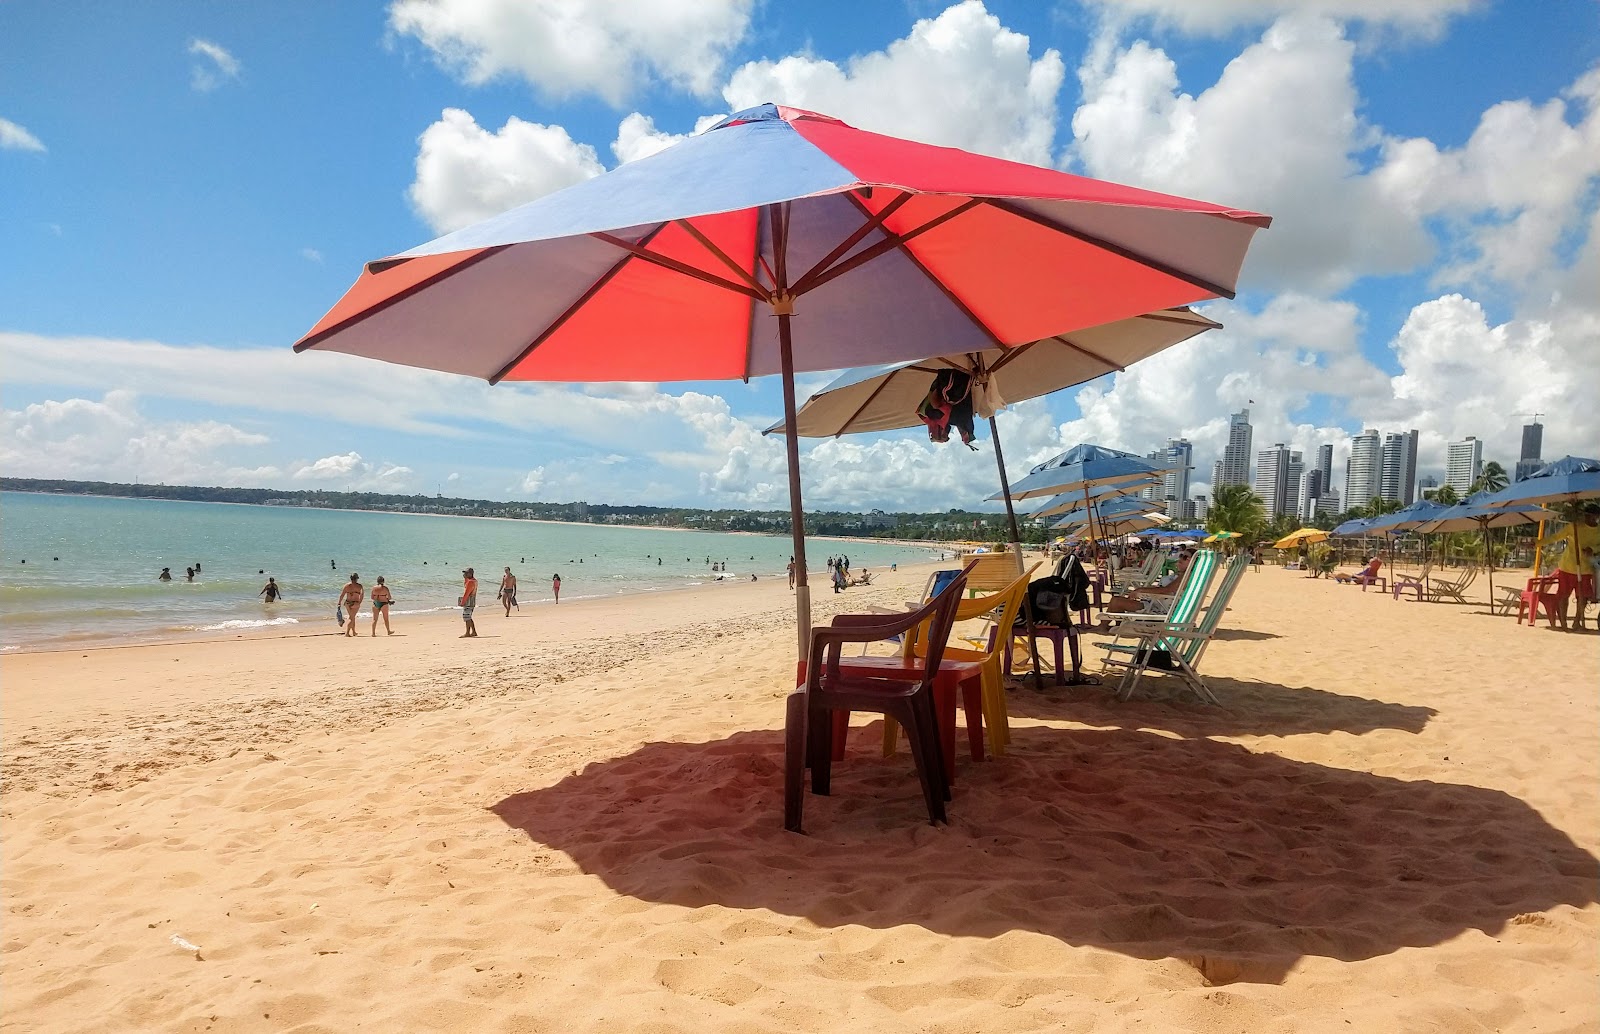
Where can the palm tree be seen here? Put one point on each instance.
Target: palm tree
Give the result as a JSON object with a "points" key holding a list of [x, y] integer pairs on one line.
{"points": [[1237, 509], [1492, 479], [1378, 507], [1445, 495]]}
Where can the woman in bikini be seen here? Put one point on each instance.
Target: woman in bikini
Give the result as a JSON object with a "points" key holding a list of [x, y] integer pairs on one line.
{"points": [[350, 598], [381, 598]]}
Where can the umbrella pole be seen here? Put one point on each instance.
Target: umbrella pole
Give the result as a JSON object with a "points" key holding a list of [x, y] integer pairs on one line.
{"points": [[1488, 557], [1016, 541], [797, 514]]}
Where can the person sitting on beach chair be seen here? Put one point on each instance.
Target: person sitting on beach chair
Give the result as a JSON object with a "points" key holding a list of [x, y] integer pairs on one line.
{"points": [[1366, 576], [1133, 602], [864, 578]]}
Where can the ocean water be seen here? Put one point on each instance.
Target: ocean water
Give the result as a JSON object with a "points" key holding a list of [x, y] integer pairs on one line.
{"points": [[91, 564]]}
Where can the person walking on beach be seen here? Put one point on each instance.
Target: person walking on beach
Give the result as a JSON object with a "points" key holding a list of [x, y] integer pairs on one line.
{"points": [[270, 591], [508, 591], [350, 598], [381, 599], [469, 600], [164, 576], [791, 572], [555, 586]]}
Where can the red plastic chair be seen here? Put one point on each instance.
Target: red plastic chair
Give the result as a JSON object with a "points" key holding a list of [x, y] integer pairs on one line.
{"points": [[1539, 592], [898, 688]]}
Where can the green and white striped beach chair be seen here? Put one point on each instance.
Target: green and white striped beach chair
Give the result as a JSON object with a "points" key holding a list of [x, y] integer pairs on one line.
{"points": [[1135, 635], [1182, 645]]}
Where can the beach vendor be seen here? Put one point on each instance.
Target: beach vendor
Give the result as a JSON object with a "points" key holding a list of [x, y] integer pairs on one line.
{"points": [[382, 599], [1575, 567], [469, 600], [350, 598]]}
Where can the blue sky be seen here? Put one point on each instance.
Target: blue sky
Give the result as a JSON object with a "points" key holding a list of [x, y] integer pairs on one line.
{"points": [[185, 188]]}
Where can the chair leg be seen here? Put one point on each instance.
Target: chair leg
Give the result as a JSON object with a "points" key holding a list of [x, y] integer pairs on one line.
{"points": [[794, 762], [819, 733], [972, 707], [929, 770]]}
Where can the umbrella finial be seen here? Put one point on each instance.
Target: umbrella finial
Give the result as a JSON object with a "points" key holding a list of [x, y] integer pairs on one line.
{"points": [[782, 304]]}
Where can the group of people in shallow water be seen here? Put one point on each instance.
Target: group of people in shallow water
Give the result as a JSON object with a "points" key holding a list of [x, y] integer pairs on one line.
{"points": [[166, 573]]}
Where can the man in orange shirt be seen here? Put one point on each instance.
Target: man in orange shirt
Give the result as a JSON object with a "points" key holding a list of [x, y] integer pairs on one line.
{"points": [[469, 600]]}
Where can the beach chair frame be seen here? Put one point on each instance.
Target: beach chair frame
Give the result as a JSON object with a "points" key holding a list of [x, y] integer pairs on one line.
{"points": [[1147, 632]]}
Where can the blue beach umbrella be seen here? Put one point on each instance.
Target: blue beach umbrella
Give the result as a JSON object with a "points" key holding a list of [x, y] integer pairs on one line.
{"points": [[1470, 513], [1081, 469], [1108, 511], [1353, 526], [1405, 519], [1068, 501], [1567, 480]]}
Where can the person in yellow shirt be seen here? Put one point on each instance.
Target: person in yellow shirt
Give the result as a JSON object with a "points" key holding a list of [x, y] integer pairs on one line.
{"points": [[1575, 568]]}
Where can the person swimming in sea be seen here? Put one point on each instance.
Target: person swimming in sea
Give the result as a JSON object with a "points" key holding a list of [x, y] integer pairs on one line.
{"points": [[271, 592], [164, 576]]}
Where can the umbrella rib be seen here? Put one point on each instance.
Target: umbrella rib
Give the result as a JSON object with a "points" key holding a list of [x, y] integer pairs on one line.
{"points": [[571, 310], [890, 242], [876, 220], [694, 231], [397, 297], [1092, 355], [1105, 245], [678, 267], [899, 241]]}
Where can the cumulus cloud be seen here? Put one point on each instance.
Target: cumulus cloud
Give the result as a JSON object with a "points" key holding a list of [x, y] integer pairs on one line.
{"points": [[15, 138], [961, 79], [1216, 17], [213, 66], [353, 473], [638, 137], [1513, 194], [466, 173], [112, 439], [1238, 143], [570, 47]]}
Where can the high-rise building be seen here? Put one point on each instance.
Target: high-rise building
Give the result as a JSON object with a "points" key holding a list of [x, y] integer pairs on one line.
{"points": [[1202, 507], [1325, 464], [1216, 474], [1363, 476], [1327, 503], [1463, 464], [1155, 491], [1235, 465], [1399, 477], [1179, 461], [1278, 479], [1311, 489], [1532, 448]]}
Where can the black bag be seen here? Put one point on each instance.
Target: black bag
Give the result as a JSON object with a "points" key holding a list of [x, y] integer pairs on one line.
{"points": [[1048, 602]]}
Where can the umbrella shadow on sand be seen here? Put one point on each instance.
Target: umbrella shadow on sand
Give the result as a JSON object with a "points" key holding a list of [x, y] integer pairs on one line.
{"points": [[1236, 862], [1248, 708]]}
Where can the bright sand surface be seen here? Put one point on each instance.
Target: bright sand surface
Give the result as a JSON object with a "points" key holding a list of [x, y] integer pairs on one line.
{"points": [[574, 824]]}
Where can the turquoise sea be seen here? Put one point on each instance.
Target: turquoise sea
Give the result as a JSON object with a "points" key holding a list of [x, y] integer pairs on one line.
{"points": [[81, 570]]}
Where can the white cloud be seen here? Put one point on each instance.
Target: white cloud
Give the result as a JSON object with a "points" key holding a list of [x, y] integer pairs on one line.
{"points": [[1216, 17], [1513, 193], [638, 137], [569, 47], [961, 79], [331, 467], [1238, 142], [111, 439], [311, 255], [15, 138], [466, 173], [213, 67], [352, 473]]}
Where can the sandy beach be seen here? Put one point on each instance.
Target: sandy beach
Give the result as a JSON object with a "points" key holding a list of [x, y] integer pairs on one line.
{"points": [[574, 823]]}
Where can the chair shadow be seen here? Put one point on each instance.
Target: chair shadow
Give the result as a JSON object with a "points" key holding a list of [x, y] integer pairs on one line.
{"points": [[1236, 862], [1242, 635], [1248, 708]]}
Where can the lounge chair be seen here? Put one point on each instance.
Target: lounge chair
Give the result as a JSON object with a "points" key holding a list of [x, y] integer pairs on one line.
{"points": [[1366, 576], [1418, 585], [1452, 589], [895, 687], [1183, 646], [1151, 571], [1137, 627]]}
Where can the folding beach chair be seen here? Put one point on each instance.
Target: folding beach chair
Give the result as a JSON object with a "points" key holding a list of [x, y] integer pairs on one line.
{"points": [[1182, 647], [1452, 589], [1145, 631]]}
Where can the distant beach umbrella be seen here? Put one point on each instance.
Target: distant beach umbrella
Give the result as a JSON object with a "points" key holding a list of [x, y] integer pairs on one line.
{"points": [[693, 263]]}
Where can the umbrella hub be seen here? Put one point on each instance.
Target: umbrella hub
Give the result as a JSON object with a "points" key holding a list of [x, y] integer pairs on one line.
{"points": [[782, 303]]}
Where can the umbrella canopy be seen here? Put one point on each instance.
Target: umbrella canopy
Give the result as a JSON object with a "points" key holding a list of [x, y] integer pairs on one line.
{"points": [[1108, 511], [1294, 538], [1405, 519], [885, 398], [1470, 515], [1116, 525], [671, 267], [1221, 536], [1354, 526], [1073, 500], [1081, 467], [1567, 480]]}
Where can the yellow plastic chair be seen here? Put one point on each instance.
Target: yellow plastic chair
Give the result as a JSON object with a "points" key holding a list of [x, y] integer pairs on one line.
{"points": [[1008, 601]]}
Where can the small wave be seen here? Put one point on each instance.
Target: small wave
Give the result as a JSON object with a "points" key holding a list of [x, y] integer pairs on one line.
{"points": [[424, 610], [243, 623]]}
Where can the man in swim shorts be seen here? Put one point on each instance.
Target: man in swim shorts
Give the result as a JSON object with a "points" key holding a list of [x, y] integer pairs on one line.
{"points": [[508, 591], [469, 600]]}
